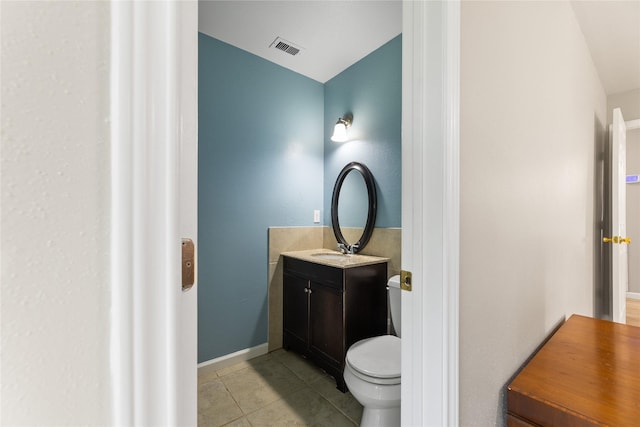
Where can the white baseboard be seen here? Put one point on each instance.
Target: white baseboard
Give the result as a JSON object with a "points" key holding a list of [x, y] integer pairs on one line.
{"points": [[233, 358], [633, 295]]}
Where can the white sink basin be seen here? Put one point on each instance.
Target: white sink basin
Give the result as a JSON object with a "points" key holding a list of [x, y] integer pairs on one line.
{"points": [[329, 256]]}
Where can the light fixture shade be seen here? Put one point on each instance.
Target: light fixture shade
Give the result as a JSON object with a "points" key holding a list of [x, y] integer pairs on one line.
{"points": [[340, 129], [339, 132]]}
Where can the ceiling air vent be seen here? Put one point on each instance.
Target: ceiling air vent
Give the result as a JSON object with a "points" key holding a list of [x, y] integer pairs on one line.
{"points": [[285, 46]]}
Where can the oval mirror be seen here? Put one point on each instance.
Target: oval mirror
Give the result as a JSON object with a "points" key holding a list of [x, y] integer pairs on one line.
{"points": [[354, 204]]}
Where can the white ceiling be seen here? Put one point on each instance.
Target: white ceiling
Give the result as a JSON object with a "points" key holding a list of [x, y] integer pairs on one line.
{"points": [[612, 32], [335, 34]]}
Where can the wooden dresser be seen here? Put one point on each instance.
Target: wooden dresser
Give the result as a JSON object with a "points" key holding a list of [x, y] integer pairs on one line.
{"points": [[587, 374]]}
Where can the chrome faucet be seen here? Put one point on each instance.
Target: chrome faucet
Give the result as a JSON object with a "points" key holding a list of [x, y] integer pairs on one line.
{"points": [[348, 249]]}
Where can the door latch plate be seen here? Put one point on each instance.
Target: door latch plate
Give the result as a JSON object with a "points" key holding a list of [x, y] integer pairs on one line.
{"points": [[405, 280], [188, 264]]}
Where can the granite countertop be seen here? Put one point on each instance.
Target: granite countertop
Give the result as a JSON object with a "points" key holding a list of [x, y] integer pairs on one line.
{"points": [[335, 258]]}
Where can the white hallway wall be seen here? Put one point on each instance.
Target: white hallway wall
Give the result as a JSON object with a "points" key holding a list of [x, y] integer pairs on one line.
{"points": [[532, 107], [629, 102], [55, 213]]}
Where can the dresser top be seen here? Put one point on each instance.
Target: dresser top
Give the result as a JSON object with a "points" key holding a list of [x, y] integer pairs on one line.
{"points": [[334, 258], [588, 373]]}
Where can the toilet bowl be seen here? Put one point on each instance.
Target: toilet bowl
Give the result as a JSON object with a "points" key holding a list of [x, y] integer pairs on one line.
{"points": [[372, 371]]}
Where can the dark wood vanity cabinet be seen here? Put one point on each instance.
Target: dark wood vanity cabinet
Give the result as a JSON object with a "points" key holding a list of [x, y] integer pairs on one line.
{"points": [[327, 309]]}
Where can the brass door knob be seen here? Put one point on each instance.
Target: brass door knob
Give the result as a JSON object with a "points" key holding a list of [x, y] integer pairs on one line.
{"points": [[617, 239]]}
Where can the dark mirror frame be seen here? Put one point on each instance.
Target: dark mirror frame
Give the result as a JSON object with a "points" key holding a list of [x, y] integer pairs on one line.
{"points": [[373, 205]]}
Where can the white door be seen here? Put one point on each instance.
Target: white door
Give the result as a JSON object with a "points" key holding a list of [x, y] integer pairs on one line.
{"points": [[154, 206], [187, 338], [618, 240], [430, 212]]}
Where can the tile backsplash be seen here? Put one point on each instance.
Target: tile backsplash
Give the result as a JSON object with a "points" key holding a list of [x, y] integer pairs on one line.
{"points": [[384, 242]]}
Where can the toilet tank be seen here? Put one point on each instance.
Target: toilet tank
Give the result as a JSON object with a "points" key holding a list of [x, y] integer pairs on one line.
{"points": [[395, 299]]}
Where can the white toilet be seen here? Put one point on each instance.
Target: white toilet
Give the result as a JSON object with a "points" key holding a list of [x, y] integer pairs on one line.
{"points": [[372, 370]]}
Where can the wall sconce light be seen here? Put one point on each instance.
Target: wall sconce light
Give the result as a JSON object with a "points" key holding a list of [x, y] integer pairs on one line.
{"points": [[340, 129]]}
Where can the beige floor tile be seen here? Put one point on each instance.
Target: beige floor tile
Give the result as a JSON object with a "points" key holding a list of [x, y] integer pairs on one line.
{"points": [[344, 402], [261, 384], [271, 391], [206, 375], [240, 422], [304, 408], [243, 365], [277, 353], [216, 407], [303, 369]]}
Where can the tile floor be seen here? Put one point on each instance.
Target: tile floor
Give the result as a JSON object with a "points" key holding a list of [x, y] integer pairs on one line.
{"points": [[277, 389], [633, 312], [283, 389]]}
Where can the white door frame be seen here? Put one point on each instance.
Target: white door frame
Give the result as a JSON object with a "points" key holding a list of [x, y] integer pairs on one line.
{"points": [[153, 92], [430, 211], [145, 213]]}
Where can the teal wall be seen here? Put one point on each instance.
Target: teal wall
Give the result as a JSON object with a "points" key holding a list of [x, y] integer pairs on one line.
{"points": [[371, 90], [265, 159], [260, 163]]}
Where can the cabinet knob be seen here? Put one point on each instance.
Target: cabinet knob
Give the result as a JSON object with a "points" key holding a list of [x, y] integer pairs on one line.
{"points": [[306, 290]]}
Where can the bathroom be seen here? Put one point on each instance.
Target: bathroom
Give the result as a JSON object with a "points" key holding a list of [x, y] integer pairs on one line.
{"points": [[523, 64], [265, 134]]}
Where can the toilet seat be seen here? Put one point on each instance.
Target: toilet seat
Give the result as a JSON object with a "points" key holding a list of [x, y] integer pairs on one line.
{"points": [[376, 360]]}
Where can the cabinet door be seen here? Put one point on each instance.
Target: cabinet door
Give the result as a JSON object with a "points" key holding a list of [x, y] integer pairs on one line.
{"points": [[295, 303], [326, 317]]}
